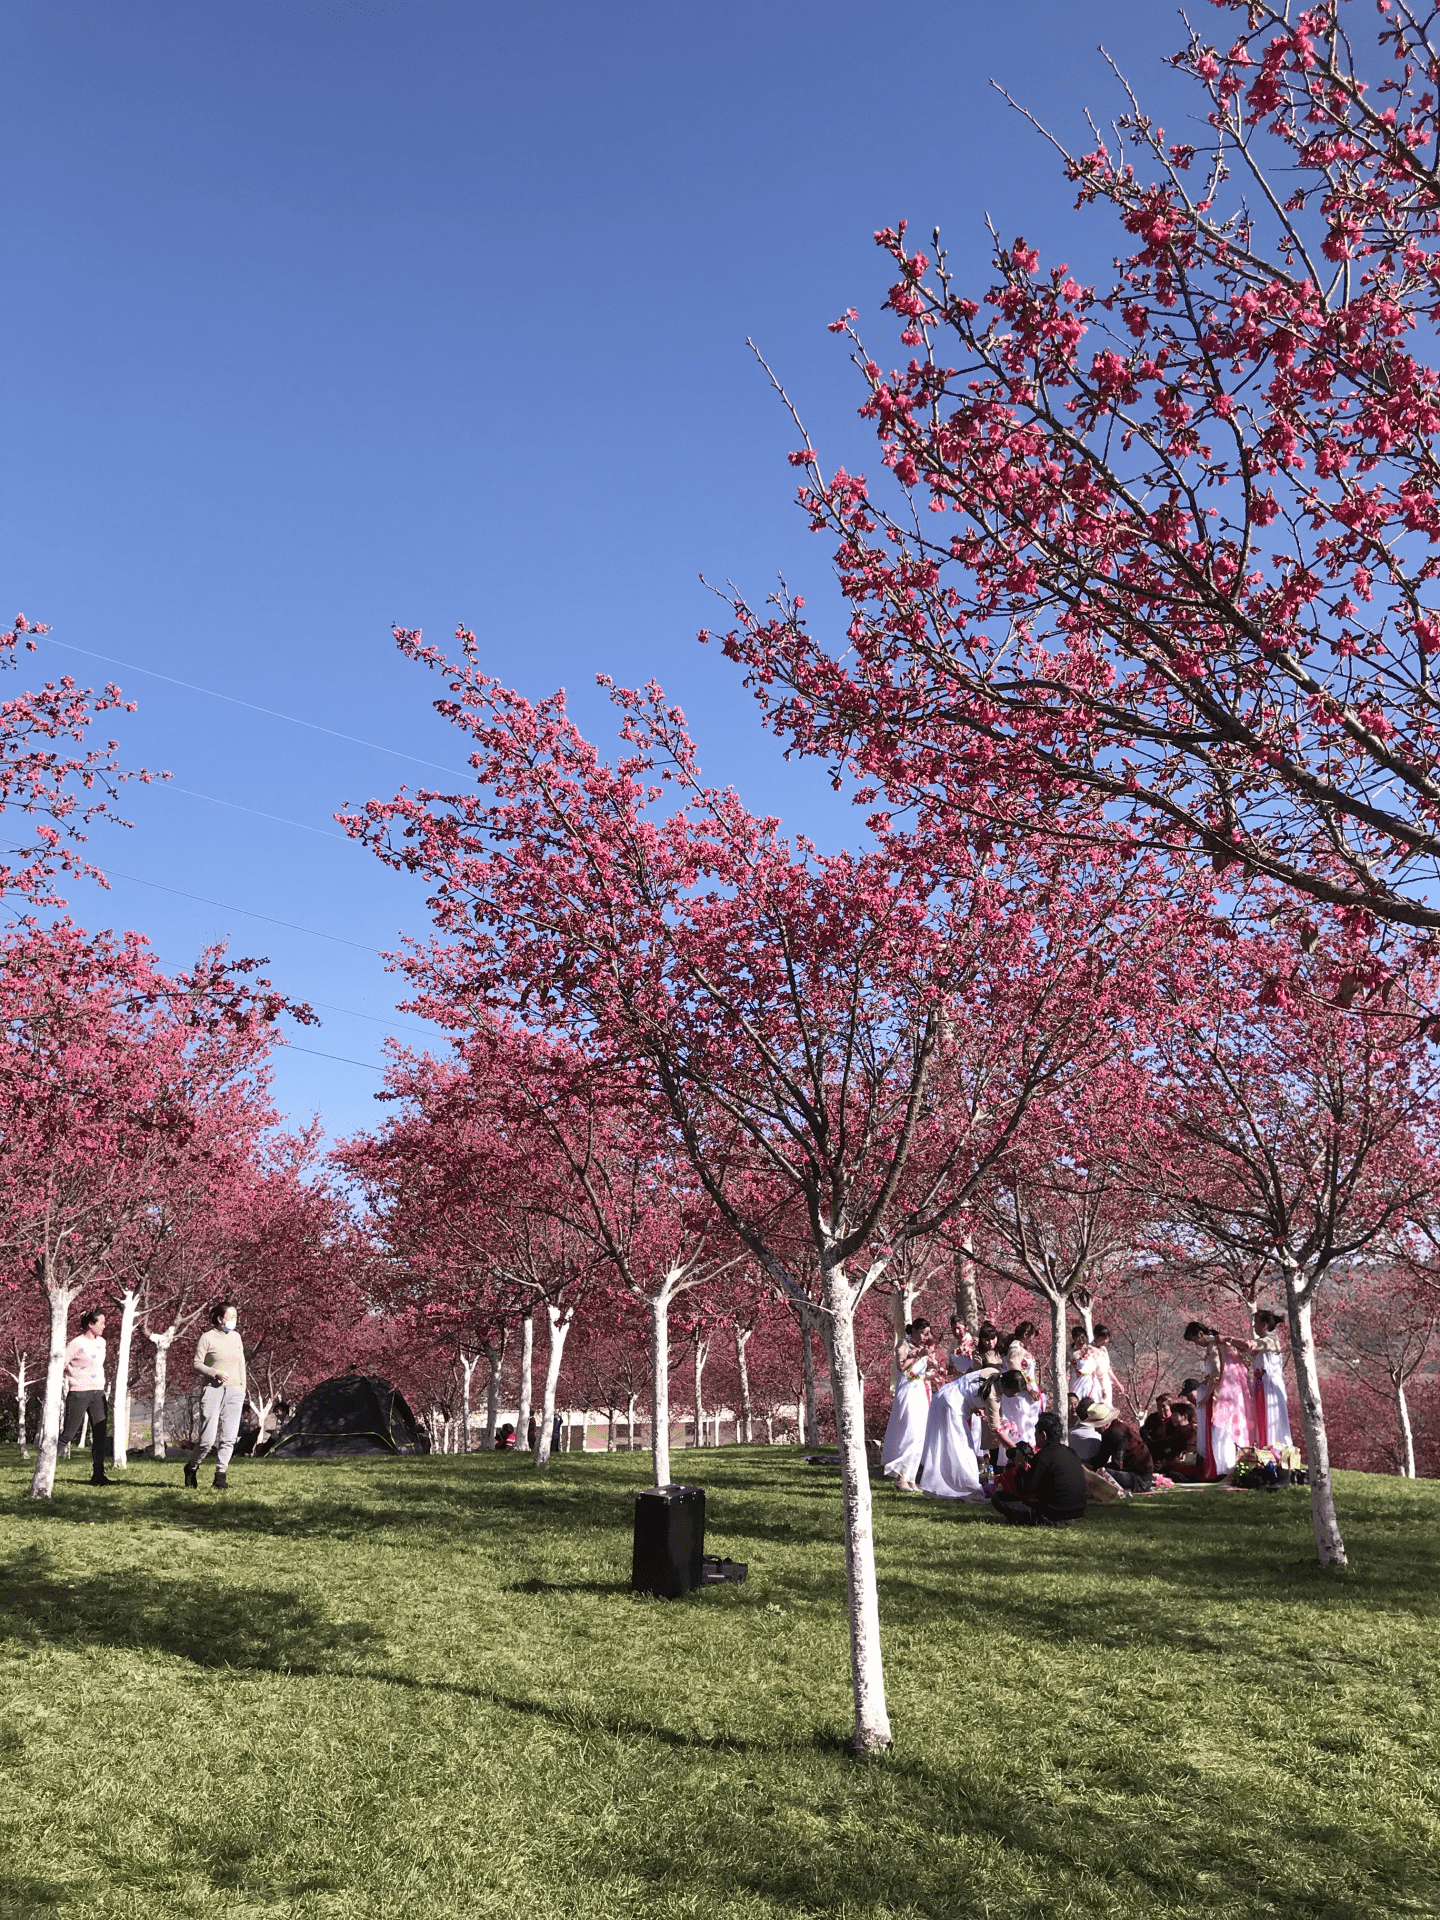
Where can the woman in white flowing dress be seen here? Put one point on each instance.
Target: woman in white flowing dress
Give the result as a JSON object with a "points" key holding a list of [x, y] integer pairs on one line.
{"points": [[905, 1429], [1091, 1377], [949, 1465], [1272, 1401]]}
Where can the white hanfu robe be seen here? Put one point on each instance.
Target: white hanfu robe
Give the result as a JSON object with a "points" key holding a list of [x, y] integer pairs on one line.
{"points": [[949, 1466], [1272, 1402], [905, 1430]]}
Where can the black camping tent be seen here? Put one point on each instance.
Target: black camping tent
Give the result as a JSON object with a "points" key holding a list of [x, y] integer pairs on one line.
{"points": [[355, 1413]]}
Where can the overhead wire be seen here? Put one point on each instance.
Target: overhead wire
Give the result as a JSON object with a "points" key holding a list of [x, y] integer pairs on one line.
{"points": [[274, 713]]}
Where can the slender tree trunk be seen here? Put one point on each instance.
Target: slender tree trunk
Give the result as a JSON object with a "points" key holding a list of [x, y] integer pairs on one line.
{"points": [[1328, 1543], [807, 1361], [527, 1366], [702, 1354], [47, 1440], [660, 1387], [867, 1670], [559, 1319], [22, 1404], [495, 1354], [120, 1410], [611, 1440], [469, 1365], [1059, 1356], [630, 1425], [1407, 1432], [967, 1293], [1085, 1307], [161, 1343], [742, 1367]]}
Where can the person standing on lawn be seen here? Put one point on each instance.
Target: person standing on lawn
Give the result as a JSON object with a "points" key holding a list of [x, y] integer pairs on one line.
{"points": [[1224, 1413], [220, 1361], [85, 1394], [905, 1430], [1272, 1402]]}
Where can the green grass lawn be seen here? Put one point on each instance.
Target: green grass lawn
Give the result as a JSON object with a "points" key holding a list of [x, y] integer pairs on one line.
{"points": [[424, 1688]]}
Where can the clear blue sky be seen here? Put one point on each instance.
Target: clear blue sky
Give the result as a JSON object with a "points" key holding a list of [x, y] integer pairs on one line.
{"points": [[323, 316]]}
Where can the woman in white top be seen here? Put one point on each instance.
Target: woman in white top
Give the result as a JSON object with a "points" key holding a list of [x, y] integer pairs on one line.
{"points": [[905, 1430], [1272, 1402], [949, 1465], [1023, 1406]]}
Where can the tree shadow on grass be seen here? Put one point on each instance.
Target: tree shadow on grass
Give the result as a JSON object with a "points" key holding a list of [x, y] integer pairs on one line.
{"points": [[272, 1629]]}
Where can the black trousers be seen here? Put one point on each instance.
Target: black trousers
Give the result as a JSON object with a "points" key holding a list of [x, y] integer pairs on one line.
{"points": [[1132, 1482], [1020, 1513], [77, 1405]]}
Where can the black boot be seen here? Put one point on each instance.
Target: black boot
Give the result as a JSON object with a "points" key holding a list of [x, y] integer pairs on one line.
{"points": [[192, 1474], [219, 1479], [101, 1479]]}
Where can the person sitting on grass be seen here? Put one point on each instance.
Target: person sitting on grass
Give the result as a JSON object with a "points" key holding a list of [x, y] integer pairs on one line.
{"points": [[1122, 1453], [505, 1438], [1052, 1481]]}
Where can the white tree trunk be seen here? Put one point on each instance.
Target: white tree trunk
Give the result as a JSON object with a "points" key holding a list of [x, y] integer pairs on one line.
{"points": [[495, 1354], [161, 1343], [967, 1294], [1402, 1414], [660, 1387], [120, 1399], [630, 1425], [610, 1438], [1059, 1357], [469, 1365], [769, 1429], [1087, 1316], [262, 1405], [1328, 1543], [807, 1361], [22, 1404], [867, 1670], [527, 1366], [742, 1367], [559, 1319], [47, 1440], [702, 1354]]}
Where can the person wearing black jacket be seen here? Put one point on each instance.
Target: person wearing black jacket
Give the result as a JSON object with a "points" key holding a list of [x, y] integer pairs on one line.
{"points": [[1052, 1482]]}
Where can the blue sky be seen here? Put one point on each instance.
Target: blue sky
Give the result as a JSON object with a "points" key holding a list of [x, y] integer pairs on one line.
{"points": [[323, 316]]}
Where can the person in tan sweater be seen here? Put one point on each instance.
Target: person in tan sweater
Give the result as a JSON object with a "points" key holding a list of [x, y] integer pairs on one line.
{"points": [[220, 1362]]}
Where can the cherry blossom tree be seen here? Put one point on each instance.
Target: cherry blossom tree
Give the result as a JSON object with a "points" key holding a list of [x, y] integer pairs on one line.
{"points": [[1382, 1332], [112, 1075], [1294, 1134], [1159, 561], [861, 1035]]}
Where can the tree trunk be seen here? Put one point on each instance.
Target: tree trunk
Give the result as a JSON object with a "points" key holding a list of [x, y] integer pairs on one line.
{"points": [[1059, 1357], [807, 1361], [630, 1425], [1328, 1543], [1085, 1307], [22, 1404], [612, 1422], [120, 1398], [47, 1440], [742, 1366], [967, 1294], [495, 1354], [867, 1671], [702, 1354], [527, 1365], [469, 1366], [769, 1429], [660, 1387], [161, 1343], [1402, 1414], [559, 1318]]}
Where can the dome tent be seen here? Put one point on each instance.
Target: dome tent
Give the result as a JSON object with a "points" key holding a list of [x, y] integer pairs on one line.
{"points": [[355, 1413]]}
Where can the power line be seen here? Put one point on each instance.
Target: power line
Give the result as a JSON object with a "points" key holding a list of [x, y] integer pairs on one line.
{"points": [[369, 1065], [274, 713], [227, 906], [168, 786]]}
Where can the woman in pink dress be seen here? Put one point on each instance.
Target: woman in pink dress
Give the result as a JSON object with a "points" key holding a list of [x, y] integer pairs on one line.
{"points": [[1224, 1401], [1272, 1402]]}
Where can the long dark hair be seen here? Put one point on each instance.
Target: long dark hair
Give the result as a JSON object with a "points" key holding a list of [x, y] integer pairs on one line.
{"points": [[1199, 1326]]}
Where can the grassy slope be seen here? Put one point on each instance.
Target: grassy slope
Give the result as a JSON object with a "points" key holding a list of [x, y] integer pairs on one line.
{"points": [[425, 1689]]}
